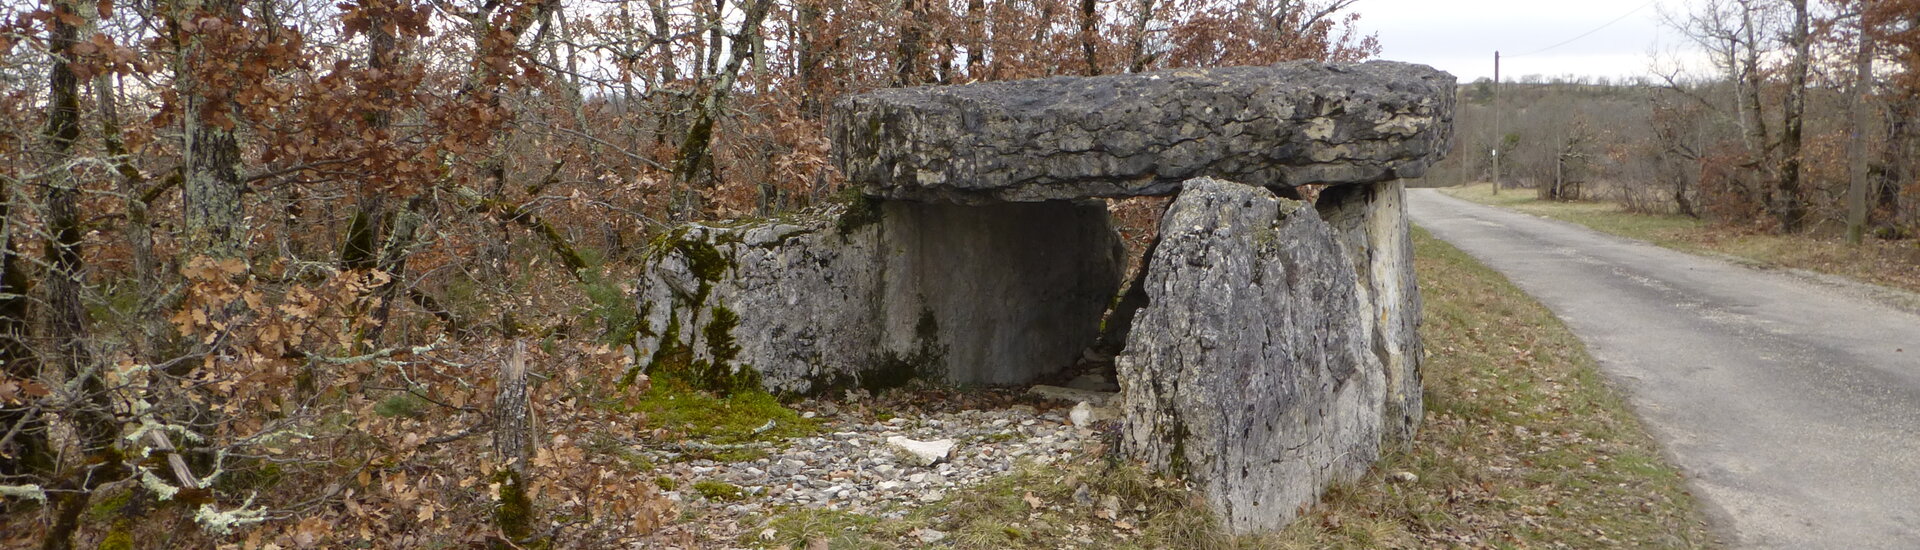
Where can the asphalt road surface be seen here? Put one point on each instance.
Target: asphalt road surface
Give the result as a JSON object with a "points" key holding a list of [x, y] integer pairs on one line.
{"points": [[1792, 406]]}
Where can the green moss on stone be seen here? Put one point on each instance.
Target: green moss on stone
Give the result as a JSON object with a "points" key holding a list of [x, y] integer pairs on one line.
{"points": [[703, 258], [109, 504], [118, 538], [861, 211], [893, 369]]}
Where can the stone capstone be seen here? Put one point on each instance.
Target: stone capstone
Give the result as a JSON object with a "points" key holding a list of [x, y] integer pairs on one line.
{"points": [[1371, 222], [1282, 125], [1249, 372], [879, 294]]}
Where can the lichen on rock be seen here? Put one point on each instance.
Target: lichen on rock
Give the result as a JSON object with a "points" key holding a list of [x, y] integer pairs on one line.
{"points": [[1248, 372]]}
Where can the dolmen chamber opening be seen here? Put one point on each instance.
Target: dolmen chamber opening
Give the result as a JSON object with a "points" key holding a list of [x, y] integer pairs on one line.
{"points": [[1268, 347]]}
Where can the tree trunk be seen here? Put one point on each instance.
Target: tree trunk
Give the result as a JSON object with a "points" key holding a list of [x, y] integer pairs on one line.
{"points": [[214, 226], [812, 95], [1137, 56], [1753, 118], [1859, 105], [513, 443], [976, 39], [91, 415], [1090, 35], [1788, 209], [714, 24], [695, 160], [908, 58]]}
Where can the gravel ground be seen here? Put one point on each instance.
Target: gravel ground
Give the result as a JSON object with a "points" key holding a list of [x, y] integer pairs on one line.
{"points": [[850, 466]]}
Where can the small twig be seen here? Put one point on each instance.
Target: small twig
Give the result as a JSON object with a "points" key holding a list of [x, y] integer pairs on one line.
{"points": [[24, 420], [484, 426]]}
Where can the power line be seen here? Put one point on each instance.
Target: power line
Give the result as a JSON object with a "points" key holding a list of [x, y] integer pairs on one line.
{"points": [[1623, 17]]}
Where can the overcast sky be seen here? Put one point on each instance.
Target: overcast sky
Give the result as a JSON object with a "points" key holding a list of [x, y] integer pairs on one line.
{"points": [[1460, 36]]}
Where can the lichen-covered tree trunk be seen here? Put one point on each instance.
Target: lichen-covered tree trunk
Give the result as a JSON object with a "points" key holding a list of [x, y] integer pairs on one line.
{"points": [[1789, 210], [513, 443], [1090, 35], [695, 158], [90, 415], [212, 186], [1138, 59]]}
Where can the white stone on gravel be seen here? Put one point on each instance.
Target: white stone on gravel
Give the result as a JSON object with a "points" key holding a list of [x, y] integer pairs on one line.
{"points": [[1082, 415], [928, 452]]}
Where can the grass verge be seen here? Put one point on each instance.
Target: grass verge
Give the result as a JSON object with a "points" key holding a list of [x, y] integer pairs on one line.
{"points": [[1888, 263], [1525, 446]]}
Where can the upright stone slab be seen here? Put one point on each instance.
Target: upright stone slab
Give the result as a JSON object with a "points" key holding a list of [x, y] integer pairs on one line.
{"points": [[1142, 134], [790, 306], [993, 294], [1371, 221], [1248, 372]]}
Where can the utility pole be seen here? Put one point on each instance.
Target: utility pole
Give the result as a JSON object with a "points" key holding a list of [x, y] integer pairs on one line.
{"points": [[1499, 138]]}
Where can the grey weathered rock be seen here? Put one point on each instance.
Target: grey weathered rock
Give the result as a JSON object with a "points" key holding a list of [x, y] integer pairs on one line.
{"points": [[1142, 134], [1371, 221], [991, 295], [795, 301], [1248, 372]]}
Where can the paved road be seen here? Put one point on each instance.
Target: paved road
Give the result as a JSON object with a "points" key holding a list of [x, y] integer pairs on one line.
{"points": [[1793, 407]]}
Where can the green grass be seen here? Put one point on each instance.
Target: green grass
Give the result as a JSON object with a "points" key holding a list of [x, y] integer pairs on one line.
{"points": [[1665, 230], [1525, 445], [719, 490], [1888, 263]]}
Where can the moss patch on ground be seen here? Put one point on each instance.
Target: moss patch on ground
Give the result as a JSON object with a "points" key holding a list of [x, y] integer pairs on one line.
{"points": [[1889, 263], [733, 419]]}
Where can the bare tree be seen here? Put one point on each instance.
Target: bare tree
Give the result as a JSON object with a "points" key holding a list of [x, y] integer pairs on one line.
{"points": [[1789, 208]]}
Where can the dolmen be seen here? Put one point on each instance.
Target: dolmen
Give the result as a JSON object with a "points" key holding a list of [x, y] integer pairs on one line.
{"points": [[1268, 347]]}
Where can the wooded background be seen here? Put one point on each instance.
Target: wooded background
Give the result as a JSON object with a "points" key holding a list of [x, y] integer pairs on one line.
{"points": [[1807, 122], [347, 274]]}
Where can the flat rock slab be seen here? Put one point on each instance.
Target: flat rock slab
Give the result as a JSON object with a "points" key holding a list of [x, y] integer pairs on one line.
{"points": [[1283, 125]]}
